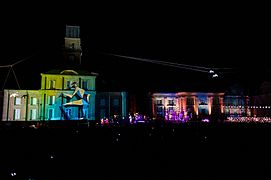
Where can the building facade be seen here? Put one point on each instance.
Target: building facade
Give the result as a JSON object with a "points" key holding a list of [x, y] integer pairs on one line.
{"points": [[64, 94], [53, 87], [190, 105], [21, 105], [48, 103], [111, 104]]}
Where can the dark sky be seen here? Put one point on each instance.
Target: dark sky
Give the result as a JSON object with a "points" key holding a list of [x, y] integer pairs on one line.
{"points": [[235, 37]]}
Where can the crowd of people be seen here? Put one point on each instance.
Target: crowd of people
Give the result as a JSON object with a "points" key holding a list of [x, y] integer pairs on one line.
{"points": [[64, 150]]}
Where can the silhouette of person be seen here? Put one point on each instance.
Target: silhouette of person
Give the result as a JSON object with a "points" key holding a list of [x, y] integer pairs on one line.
{"points": [[82, 98]]}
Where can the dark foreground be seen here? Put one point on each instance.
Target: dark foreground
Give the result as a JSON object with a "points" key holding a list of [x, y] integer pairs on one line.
{"points": [[161, 151]]}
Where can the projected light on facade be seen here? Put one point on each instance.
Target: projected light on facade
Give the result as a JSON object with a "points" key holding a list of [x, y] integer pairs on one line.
{"points": [[188, 105], [82, 100]]}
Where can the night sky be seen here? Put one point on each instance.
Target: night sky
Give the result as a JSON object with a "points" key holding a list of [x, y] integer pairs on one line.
{"points": [[234, 38], [214, 35]]}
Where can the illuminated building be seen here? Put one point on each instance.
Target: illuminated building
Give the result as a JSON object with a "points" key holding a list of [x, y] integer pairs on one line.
{"points": [[54, 84], [47, 103], [191, 105], [185, 105], [57, 99], [21, 105]]}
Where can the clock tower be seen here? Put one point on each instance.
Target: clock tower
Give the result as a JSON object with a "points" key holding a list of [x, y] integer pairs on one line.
{"points": [[72, 47]]}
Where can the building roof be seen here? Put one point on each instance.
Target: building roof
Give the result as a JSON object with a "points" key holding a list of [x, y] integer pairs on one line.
{"points": [[71, 72]]}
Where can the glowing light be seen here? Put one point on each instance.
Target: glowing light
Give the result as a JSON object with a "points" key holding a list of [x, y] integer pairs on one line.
{"points": [[215, 75], [13, 174]]}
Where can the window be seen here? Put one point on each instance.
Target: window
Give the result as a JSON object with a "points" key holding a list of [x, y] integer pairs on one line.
{"points": [[52, 84], [102, 102], [33, 101], [190, 101], [115, 102], [68, 112], [216, 100], [159, 101], [102, 113], [72, 46], [33, 114], [17, 114], [51, 100], [159, 109], [68, 85], [72, 31], [51, 114], [85, 84], [17, 101], [170, 101]]}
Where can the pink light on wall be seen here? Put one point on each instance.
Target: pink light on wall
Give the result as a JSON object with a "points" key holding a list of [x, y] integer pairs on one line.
{"points": [[210, 103], [196, 109], [183, 101], [221, 104], [153, 106]]}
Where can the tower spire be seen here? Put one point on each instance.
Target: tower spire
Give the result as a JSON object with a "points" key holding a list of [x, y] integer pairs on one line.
{"points": [[72, 49]]}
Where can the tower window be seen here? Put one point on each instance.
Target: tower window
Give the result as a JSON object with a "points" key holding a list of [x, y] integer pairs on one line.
{"points": [[72, 31]]}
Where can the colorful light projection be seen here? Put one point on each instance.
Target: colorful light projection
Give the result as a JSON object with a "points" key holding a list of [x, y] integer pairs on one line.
{"points": [[82, 100], [203, 107]]}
